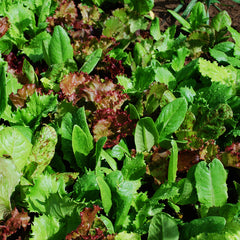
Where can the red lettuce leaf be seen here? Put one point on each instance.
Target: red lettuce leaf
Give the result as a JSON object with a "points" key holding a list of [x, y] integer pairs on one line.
{"points": [[19, 99], [91, 228], [115, 125], [4, 25], [65, 14], [18, 220]]}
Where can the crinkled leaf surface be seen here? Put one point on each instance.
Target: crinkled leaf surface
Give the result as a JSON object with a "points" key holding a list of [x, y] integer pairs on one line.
{"points": [[37, 108], [15, 145], [9, 178], [38, 194], [43, 150], [44, 227]]}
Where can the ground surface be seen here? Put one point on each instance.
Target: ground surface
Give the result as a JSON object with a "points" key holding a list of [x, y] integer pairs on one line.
{"points": [[161, 7]]}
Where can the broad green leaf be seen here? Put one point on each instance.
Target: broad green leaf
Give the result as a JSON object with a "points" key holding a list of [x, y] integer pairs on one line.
{"points": [[39, 106], [166, 191], [236, 37], [221, 21], [179, 59], [91, 61], [126, 235], [3, 86], [172, 167], [28, 70], [171, 117], [68, 121], [111, 162], [122, 195], [119, 150], [125, 82], [44, 227], [163, 227], [133, 111], [155, 29], [35, 49], [81, 145], [163, 75], [140, 54], [43, 149], [211, 183], [201, 225], [9, 178], [43, 10], [137, 24], [187, 193], [198, 16], [87, 187], [105, 193], [146, 134], [133, 167], [143, 77], [143, 6], [16, 146], [60, 48], [38, 194]]}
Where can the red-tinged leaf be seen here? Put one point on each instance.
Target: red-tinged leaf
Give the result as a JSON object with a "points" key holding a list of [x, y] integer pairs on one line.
{"points": [[114, 125], [19, 99], [113, 67], [102, 93], [70, 83], [91, 228], [16, 221], [90, 15], [231, 156], [15, 63], [65, 14], [4, 25]]}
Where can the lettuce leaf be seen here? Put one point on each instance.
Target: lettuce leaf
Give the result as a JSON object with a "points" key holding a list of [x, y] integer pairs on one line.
{"points": [[9, 179], [16, 146]]}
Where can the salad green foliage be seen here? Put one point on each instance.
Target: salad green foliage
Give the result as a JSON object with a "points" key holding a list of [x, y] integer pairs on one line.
{"points": [[113, 129]]}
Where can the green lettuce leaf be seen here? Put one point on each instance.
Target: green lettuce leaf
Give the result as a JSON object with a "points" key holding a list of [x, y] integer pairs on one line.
{"points": [[43, 150], [37, 108], [9, 179], [16, 146], [44, 186]]}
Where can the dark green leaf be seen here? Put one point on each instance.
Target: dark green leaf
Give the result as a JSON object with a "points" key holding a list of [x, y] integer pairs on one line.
{"points": [[207, 225], [163, 227], [3, 86]]}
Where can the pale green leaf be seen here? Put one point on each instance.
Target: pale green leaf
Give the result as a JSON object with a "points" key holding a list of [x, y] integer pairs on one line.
{"points": [[16, 146]]}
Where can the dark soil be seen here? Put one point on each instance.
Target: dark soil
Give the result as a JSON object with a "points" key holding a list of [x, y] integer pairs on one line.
{"points": [[161, 7]]}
